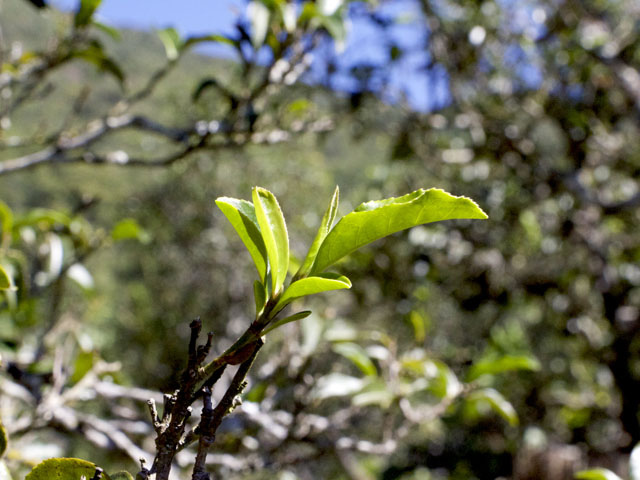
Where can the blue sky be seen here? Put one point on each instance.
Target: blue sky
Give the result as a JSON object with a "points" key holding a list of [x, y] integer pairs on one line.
{"points": [[188, 16], [364, 43]]}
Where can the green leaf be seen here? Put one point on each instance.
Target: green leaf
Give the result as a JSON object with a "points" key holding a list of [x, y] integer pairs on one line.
{"points": [[375, 393], [259, 16], [129, 229], [259, 295], [45, 216], [502, 364], [79, 274], [309, 13], [596, 474], [288, 14], [4, 471], [274, 233], [358, 355], [337, 385], [242, 216], [108, 29], [6, 219], [310, 285], [172, 42], [323, 231], [5, 279], [208, 38], [85, 12], [96, 55], [377, 219], [4, 440], [497, 402], [123, 475], [83, 363], [443, 382], [634, 463], [291, 318], [64, 469], [419, 323]]}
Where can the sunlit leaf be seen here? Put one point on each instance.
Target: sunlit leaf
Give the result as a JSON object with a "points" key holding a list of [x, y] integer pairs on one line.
{"points": [[5, 279], [56, 255], [259, 16], [242, 215], [337, 385], [171, 41], [64, 469], [497, 402], [323, 231], [375, 393], [288, 13], [85, 12], [79, 274], [4, 471], [443, 383], [634, 463], [358, 355], [291, 318], [596, 474], [311, 285], [502, 364], [274, 233], [130, 229], [377, 219]]}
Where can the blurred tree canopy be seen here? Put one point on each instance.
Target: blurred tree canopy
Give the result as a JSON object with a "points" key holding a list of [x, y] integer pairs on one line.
{"points": [[533, 110]]}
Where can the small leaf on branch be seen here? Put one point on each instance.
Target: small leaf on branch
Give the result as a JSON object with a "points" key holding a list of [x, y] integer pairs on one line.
{"points": [[502, 364], [172, 42], [96, 55], [64, 468], [377, 219], [85, 12], [357, 354], [325, 228], [291, 318], [5, 279], [310, 285], [274, 233], [129, 229], [242, 216], [596, 474], [497, 402], [259, 16]]}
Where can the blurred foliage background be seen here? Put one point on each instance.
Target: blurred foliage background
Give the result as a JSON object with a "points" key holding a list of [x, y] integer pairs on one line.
{"points": [[538, 121]]}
